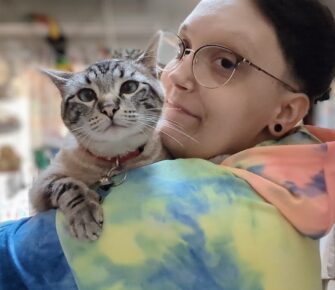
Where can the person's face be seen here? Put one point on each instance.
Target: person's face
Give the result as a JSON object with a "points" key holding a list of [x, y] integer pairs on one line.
{"points": [[208, 122]]}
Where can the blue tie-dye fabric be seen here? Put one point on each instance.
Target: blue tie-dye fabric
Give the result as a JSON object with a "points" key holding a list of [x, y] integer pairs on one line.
{"points": [[173, 225], [31, 257], [191, 225]]}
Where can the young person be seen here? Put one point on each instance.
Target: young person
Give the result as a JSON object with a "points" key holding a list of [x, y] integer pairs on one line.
{"points": [[244, 73]]}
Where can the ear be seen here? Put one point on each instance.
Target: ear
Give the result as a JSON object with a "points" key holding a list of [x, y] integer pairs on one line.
{"points": [[59, 78], [293, 108], [149, 57]]}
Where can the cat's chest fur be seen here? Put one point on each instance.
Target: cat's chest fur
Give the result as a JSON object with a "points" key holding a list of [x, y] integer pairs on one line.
{"points": [[76, 161]]}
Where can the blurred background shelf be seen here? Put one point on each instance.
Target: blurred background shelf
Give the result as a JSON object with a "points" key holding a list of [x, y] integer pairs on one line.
{"points": [[91, 28]]}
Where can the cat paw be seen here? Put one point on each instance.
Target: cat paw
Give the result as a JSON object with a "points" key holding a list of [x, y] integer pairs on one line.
{"points": [[87, 222], [81, 207]]}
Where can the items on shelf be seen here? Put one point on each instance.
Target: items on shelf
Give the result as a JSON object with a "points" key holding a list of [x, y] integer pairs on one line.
{"points": [[44, 155], [55, 38], [11, 178], [9, 159], [8, 123], [6, 74], [11, 184]]}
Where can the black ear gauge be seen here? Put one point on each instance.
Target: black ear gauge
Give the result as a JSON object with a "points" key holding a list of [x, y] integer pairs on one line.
{"points": [[278, 128]]}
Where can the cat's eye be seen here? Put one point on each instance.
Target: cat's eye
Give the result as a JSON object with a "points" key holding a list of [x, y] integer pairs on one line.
{"points": [[87, 95], [129, 87]]}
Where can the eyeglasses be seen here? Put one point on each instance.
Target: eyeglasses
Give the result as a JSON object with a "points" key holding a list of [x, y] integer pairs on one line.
{"points": [[212, 65]]}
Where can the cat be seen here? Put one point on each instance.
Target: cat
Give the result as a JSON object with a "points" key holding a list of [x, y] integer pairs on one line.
{"points": [[111, 110]]}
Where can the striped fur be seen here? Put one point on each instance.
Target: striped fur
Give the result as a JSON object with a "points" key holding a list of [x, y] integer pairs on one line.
{"points": [[110, 109]]}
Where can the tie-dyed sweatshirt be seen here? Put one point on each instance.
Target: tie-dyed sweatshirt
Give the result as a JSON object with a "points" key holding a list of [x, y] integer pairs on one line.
{"points": [[189, 224], [296, 175]]}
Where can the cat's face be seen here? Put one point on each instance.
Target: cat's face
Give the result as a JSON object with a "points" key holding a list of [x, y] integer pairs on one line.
{"points": [[113, 105], [111, 99]]}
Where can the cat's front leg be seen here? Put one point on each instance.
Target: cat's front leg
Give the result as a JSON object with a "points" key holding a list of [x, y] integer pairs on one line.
{"points": [[80, 206]]}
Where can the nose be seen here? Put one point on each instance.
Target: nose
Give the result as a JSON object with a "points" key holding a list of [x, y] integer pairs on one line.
{"points": [[109, 109], [182, 75]]}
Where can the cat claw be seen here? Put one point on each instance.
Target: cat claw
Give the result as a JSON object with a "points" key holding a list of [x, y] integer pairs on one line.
{"points": [[87, 223]]}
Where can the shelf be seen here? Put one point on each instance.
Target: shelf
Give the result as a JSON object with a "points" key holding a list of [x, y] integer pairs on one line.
{"points": [[24, 30]]}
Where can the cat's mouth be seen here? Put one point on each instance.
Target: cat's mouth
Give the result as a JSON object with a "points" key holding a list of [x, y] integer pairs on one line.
{"points": [[114, 126]]}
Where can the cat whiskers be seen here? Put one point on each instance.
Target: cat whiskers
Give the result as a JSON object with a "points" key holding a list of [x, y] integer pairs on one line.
{"points": [[173, 138], [100, 123], [144, 133], [89, 141], [172, 126], [77, 129], [148, 119], [174, 123], [84, 139], [151, 123], [179, 126], [82, 136], [146, 125], [169, 124], [154, 109], [164, 109]]}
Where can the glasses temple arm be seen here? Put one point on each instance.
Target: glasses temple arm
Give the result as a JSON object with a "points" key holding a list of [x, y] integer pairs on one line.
{"points": [[286, 85]]}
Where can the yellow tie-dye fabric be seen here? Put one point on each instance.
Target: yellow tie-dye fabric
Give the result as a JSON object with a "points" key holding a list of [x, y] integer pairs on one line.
{"points": [[191, 225]]}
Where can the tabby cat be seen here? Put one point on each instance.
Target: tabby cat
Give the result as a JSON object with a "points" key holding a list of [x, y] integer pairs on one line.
{"points": [[111, 110]]}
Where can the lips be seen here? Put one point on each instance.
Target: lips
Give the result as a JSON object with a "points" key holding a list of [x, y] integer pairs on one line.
{"points": [[180, 108]]}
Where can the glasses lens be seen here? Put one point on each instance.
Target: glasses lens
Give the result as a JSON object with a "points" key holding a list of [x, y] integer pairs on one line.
{"points": [[213, 66], [169, 51]]}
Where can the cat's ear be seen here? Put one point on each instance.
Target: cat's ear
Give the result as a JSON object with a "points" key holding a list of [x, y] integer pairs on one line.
{"points": [[149, 56], [59, 78]]}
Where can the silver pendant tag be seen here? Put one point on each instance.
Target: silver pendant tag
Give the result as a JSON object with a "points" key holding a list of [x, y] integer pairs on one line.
{"points": [[113, 180]]}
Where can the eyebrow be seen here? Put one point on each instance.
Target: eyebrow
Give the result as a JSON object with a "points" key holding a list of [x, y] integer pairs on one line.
{"points": [[243, 48]]}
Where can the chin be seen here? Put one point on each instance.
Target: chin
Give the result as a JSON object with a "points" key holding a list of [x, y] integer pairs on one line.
{"points": [[190, 149], [176, 146], [178, 150]]}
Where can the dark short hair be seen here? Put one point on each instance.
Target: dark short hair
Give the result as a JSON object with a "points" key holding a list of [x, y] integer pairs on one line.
{"points": [[306, 34]]}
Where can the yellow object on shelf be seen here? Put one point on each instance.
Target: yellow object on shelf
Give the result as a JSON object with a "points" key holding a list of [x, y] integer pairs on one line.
{"points": [[9, 160]]}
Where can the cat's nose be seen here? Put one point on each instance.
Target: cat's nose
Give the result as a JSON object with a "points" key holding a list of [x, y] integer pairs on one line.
{"points": [[110, 110]]}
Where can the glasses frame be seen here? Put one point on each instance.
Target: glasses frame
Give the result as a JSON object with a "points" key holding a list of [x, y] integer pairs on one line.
{"points": [[240, 60]]}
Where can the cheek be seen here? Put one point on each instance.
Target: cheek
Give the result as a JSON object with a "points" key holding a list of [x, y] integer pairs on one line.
{"points": [[166, 81], [74, 112], [227, 117]]}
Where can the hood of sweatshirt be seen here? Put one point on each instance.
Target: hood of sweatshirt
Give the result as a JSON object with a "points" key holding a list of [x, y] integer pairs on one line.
{"points": [[296, 174]]}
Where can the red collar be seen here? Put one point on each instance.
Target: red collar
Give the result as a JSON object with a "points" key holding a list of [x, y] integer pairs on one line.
{"points": [[120, 159]]}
